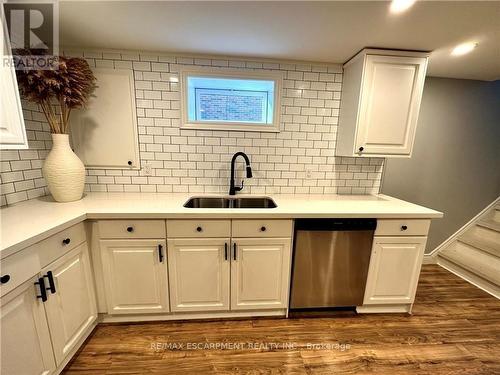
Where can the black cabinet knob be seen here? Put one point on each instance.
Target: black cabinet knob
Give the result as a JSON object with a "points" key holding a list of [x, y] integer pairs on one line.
{"points": [[130, 229], [129, 162], [361, 148], [262, 229], [404, 227], [199, 229], [66, 241], [4, 279]]}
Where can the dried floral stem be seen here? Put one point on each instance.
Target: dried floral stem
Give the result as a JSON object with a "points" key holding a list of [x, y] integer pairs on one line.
{"points": [[70, 84]]}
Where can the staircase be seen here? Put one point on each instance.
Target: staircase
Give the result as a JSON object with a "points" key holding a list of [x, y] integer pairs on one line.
{"points": [[474, 254]]}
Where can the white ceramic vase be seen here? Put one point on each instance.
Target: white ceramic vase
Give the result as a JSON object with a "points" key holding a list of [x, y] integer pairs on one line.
{"points": [[64, 172]]}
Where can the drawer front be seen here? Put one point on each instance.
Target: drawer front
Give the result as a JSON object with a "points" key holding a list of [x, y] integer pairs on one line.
{"points": [[198, 228], [60, 243], [132, 229], [402, 227], [19, 267], [262, 228]]}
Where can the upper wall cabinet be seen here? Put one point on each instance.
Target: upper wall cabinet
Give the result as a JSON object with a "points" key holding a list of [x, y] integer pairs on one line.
{"points": [[381, 97], [104, 135], [12, 130]]}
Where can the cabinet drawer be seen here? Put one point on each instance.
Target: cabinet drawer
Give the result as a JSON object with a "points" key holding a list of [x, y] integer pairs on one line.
{"points": [[132, 229], [402, 227], [18, 268], [60, 243], [262, 228], [198, 228]]}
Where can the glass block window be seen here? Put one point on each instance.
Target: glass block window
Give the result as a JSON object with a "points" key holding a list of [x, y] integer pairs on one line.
{"points": [[230, 102]]}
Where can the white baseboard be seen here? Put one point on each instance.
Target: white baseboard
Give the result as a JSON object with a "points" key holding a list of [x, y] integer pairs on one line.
{"points": [[105, 318], [381, 309], [429, 259], [468, 225], [470, 277]]}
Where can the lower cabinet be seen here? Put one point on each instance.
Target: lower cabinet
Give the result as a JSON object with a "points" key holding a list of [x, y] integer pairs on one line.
{"points": [[135, 276], [260, 273], [199, 274], [71, 304], [217, 274], [25, 340], [45, 318], [394, 270]]}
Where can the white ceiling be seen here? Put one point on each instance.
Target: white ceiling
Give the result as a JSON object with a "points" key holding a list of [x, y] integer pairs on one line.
{"points": [[326, 31]]}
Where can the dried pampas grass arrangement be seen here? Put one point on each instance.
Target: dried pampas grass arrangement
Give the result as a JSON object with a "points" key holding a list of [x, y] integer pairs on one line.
{"points": [[67, 86]]}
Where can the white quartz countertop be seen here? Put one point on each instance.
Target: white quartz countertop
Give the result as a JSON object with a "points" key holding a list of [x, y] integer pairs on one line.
{"points": [[26, 223]]}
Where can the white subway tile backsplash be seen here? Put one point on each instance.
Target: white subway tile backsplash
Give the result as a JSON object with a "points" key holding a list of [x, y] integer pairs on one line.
{"points": [[299, 159]]}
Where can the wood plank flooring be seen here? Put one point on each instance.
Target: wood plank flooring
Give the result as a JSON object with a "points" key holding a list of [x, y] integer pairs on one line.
{"points": [[454, 329]]}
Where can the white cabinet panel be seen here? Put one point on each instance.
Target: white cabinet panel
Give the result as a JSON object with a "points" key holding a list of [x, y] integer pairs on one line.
{"points": [[381, 98], [260, 273], [199, 274], [135, 276], [394, 270], [12, 130], [104, 134], [262, 228], [71, 307], [25, 340], [389, 104]]}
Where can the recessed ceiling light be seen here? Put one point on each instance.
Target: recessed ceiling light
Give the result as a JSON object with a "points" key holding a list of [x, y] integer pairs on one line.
{"points": [[398, 6], [463, 48]]}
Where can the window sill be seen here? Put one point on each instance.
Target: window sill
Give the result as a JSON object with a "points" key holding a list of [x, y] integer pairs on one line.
{"points": [[231, 127]]}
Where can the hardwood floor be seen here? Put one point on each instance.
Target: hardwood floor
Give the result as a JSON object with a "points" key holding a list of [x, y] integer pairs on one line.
{"points": [[454, 329]]}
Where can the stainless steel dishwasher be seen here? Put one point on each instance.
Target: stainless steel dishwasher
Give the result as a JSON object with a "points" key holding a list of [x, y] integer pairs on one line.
{"points": [[330, 262]]}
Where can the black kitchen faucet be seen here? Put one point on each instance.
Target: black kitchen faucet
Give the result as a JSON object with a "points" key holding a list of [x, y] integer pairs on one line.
{"points": [[233, 189]]}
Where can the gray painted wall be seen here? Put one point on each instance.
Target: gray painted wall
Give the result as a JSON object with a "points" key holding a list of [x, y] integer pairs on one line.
{"points": [[455, 166]]}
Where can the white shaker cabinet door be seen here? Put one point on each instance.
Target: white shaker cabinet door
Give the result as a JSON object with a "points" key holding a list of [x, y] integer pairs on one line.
{"points": [[260, 273], [199, 274], [104, 133], [389, 105], [25, 341], [71, 304], [394, 270], [135, 276], [12, 129]]}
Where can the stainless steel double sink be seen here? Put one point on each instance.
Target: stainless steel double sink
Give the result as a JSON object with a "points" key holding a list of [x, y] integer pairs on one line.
{"points": [[227, 202]]}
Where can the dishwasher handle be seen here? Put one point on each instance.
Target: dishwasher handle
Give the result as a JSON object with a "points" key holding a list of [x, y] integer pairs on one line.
{"points": [[335, 224]]}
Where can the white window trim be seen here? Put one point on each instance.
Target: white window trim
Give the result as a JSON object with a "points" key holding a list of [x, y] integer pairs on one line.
{"points": [[277, 77]]}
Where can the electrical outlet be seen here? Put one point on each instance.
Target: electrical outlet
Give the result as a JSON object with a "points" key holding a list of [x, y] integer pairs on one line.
{"points": [[308, 174], [147, 170]]}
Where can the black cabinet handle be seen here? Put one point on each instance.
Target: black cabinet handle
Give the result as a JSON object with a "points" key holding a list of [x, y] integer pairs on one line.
{"points": [[361, 149], [262, 229], [43, 291], [199, 229], [234, 253], [404, 227], [225, 251], [66, 241], [130, 229], [52, 285], [5, 279], [129, 162], [160, 253]]}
